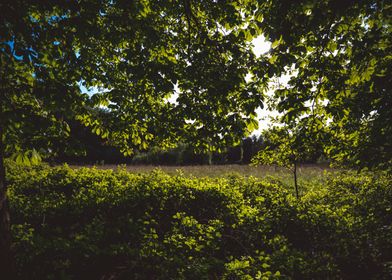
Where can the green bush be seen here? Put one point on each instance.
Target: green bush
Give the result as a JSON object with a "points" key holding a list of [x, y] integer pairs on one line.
{"points": [[101, 224]]}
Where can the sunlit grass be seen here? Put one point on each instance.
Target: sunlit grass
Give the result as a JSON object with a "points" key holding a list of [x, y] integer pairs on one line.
{"points": [[309, 176]]}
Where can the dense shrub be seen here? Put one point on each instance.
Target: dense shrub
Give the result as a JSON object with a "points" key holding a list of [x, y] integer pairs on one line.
{"points": [[104, 224]]}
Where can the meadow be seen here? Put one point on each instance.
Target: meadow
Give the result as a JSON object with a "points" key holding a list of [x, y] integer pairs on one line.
{"points": [[309, 175], [305, 170]]}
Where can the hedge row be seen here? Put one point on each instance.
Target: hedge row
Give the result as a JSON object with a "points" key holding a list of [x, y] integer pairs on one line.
{"points": [[104, 224]]}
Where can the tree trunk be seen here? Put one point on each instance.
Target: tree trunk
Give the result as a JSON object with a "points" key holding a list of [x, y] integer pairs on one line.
{"points": [[209, 158], [7, 265], [295, 180]]}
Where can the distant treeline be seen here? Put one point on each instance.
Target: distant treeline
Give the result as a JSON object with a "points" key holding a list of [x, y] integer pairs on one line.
{"points": [[88, 148], [184, 154], [84, 147]]}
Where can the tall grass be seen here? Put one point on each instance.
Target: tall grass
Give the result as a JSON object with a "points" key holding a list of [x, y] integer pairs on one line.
{"points": [[310, 176]]}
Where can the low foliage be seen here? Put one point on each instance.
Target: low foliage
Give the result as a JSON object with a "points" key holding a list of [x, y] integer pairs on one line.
{"points": [[97, 224]]}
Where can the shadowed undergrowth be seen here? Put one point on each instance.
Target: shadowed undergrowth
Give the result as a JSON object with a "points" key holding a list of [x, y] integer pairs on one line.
{"points": [[112, 224]]}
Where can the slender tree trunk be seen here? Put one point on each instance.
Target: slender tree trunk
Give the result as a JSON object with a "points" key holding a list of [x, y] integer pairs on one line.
{"points": [[7, 265], [295, 180], [209, 158]]}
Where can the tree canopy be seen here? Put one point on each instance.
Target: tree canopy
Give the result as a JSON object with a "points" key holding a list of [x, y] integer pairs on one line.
{"points": [[139, 56], [339, 55], [136, 54]]}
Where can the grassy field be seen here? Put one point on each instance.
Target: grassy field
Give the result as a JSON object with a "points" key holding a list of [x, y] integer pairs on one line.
{"points": [[221, 170], [309, 175]]}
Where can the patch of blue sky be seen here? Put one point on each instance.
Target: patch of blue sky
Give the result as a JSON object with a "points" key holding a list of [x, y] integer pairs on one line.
{"points": [[88, 90], [30, 52]]}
